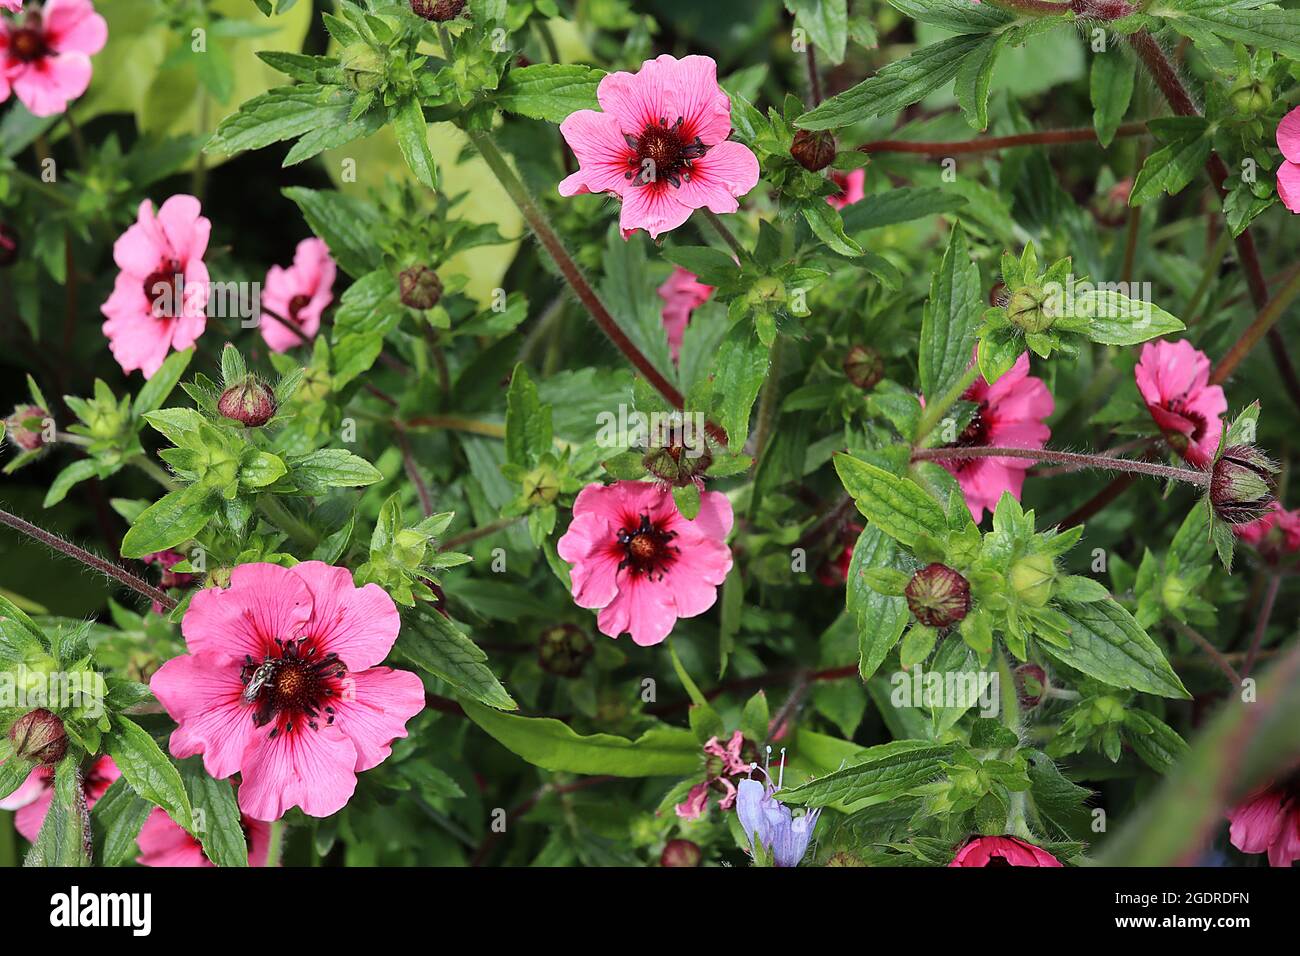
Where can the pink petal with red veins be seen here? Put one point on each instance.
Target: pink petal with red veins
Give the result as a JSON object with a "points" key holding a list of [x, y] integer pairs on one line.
{"points": [[1288, 135], [587, 546], [382, 701], [311, 769], [139, 251], [726, 172], [694, 95], [1256, 822], [597, 142], [643, 608], [164, 843], [73, 26], [203, 694], [715, 517], [655, 208], [47, 86], [262, 603], [638, 99], [360, 625], [1288, 185], [696, 575]]}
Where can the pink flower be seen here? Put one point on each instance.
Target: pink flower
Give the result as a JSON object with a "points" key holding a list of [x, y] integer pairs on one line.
{"points": [[1002, 851], [1010, 414], [1288, 173], [294, 298], [720, 764], [682, 294], [32, 800], [281, 685], [161, 292], [1275, 533], [640, 562], [660, 145], [14, 6], [1173, 378], [45, 56], [852, 187], [1269, 821], [165, 843]]}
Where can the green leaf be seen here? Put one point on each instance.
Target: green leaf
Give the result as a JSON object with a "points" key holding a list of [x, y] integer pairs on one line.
{"points": [[1111, 86], [528, 422], [827, 24], [549, 91], [63, 482], [881, 773], [1115, 319], [65, 838], [951, 318], [1239, 21], [1107, 644], [898, 85], [346, 223], [116, 819], [155, 391], [327, 468], [825, 222], [12, 774], [413, 140], [738, 374], [711, 266], [880, 617], [899, 205], [222, 831], [971, 86], [438, 645], [171, 520], [148, 770], [285, 112], [959, 16], [553, 745], [1171, 167], [897, 506]]}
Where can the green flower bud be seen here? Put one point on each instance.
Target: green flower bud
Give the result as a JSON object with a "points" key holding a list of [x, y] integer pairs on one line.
{"points": [[541, 485], [1027, 310], [1241, 484], [363, 67], [1032, 578]]}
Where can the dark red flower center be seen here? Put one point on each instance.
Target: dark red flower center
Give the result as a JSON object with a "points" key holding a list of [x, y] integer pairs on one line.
{"points": [[293, 686], [296, 305], [974, 435], [27, 43], [165, 289], [647, 549], [662, 153], [1179, 441]]}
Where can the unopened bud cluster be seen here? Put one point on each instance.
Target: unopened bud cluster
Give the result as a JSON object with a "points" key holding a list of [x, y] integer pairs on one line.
{"points": [[938, 596], [250, 402]]}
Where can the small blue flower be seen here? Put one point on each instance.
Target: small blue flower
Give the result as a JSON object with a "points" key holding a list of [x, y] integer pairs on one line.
{"points": [[770, 826]]}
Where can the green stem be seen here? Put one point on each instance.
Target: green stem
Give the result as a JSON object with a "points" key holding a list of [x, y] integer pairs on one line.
{"points": [[551, 242], [1212, 263], [721, 228], [492, 527], [456, 423], [154, 472], [935, 411], [299, 532], [275, 842], [1127, 465], [1264, 321], [767, 406]]}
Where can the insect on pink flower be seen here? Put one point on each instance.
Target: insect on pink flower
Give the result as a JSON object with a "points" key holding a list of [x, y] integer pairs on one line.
{"points": [[1173, 378], [282, 686], [294, 298], [45, 55], [659, 143], [159, 298], [643, 565]]}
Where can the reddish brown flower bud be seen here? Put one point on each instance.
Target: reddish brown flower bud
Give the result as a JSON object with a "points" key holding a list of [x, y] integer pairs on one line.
{"points": [[1241, 484], [998, 294], [26, 426], [680, 853], [439, 11], [39, 736], [563, 650], [864, 366], [419, 287], [813, 150], [938, 596], [8, 245], [1031, 685], [251, 403]]}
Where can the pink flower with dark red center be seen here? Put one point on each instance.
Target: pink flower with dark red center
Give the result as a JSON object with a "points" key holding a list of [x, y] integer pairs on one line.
{"points": [[165, 843], [1269, 822], [1002, 851], [1288, 171], [281, 685], [852, 187], [720, 764], [32, 800], [1009, 414], [637, 560], [682, 294], [660, 145], [294, 298], [161, 292], [1173, 378], [45, 56], [1274, 534]]}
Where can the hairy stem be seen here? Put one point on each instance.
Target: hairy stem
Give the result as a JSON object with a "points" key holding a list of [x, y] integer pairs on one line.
{"points": [[1261, 625], [721, 228], [1034, 8], [93, 561], [1190, 475], [935, 411], [1214, 654], [551, 242], [989, 144], [1263, 324]]}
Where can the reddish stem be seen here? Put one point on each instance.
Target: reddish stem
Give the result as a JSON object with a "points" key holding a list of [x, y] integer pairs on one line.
{"points": [[988, 144]]}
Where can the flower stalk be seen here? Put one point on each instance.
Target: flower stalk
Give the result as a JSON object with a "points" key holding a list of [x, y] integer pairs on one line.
{"points": [[1191, 476]]}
